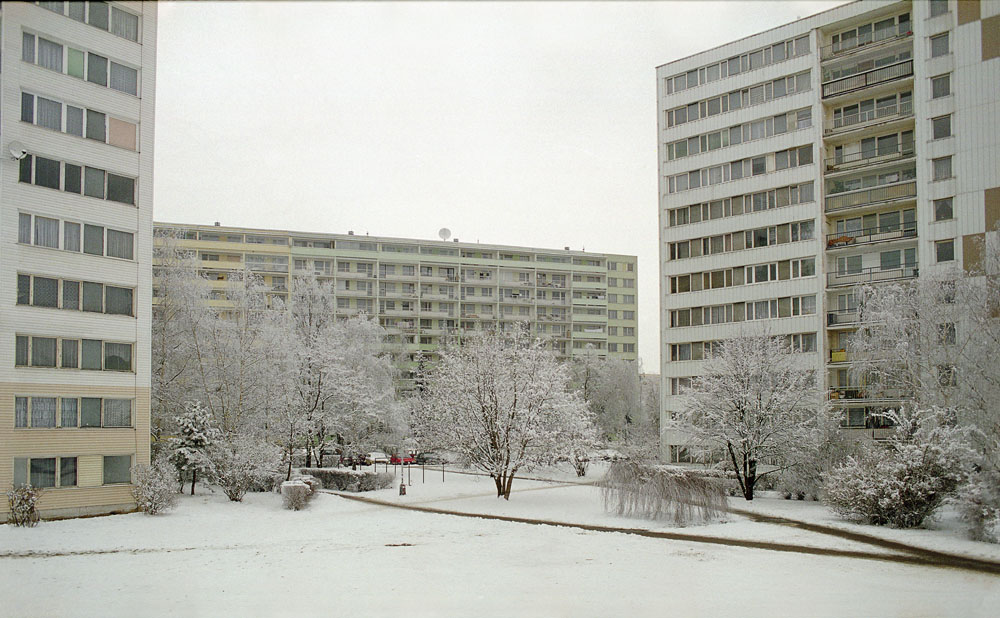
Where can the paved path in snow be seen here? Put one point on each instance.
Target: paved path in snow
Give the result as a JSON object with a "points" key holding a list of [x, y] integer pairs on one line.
{"points": [[909, 554]]}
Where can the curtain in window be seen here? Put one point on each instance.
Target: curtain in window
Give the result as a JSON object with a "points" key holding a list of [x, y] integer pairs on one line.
{"points": [[117, 412], [74, 120], [24, 228], [71, 236], [97, 69], [43, 352], [49, 114], [43, 411], [125, 25], [120, 244], [118, 301], [93, 297], [28, 47], [47, 232], [93, 182], [43, 472], [20, 351], [46, 292], [50, 55], [20, 412], [118, 356], [98, 15], [67, 416], [70, 353], [77, 10], [125, 79]]}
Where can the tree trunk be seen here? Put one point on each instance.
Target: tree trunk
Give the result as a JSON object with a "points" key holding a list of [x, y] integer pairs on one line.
{"points": [[194, 477], [309, 452], [500, 484], [506, 489], [751, 479]]}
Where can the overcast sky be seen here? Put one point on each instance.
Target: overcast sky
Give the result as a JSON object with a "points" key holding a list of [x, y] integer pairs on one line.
{"points": [[521, 123]]}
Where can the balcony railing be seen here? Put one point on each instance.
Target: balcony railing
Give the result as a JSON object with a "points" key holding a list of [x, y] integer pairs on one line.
{"points": [[838, 356], [870, 275], [863, 197], [868, 78], [862, 158], [876, 433], [891, 112], [889, 34], [870, 235], [860, 393], [840, 317]]}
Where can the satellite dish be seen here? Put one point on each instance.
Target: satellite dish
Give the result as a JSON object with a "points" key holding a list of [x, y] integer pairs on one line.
{"points": [[17, 150], [444, 233]]}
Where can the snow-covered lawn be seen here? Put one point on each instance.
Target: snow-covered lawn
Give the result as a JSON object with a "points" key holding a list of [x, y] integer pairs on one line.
{"points": [[210, 557]]}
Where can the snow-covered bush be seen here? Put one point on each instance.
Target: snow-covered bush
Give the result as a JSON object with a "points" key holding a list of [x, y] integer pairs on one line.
{"points": [[342, 479], [979, 503], [189, 451], [662, 492], [295, 495], [900, 483], [154, 487], [241, 463], [22, 500]]}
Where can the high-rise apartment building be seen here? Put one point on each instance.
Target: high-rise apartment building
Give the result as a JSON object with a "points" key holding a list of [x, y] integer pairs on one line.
{"points": [[76, 192], [424, 292], [859, 145]]}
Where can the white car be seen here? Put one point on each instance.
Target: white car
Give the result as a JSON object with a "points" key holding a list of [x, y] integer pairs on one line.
{"points": [[375, 457]]}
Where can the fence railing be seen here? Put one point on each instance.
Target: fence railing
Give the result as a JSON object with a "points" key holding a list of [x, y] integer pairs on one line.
{"points": [[861, 197], [870, 235], [890, 112], [833, 50], [842, 316], [869, 275], [868, 78], [869, 157]]}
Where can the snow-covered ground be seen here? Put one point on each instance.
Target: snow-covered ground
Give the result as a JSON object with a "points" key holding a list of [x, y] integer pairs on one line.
{"points": [[210, 557]]}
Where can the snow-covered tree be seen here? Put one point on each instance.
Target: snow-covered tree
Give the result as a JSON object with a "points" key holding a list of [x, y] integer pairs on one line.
{"points": [[901, 481], [154, 487], [756, 406], [190, 449], [610, 386], [242, 462], [501, 401]]}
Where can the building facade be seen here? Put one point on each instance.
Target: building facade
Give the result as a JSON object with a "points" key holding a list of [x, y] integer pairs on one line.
{"points": [[76, 190], [424, 292], [855, 146]]}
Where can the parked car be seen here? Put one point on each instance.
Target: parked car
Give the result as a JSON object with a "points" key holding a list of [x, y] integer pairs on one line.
{"points": [[404, 460], [375, 457], [431, 458]]}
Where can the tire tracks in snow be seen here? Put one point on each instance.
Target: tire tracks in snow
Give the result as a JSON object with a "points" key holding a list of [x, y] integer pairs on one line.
{"points": [[908, 554]]}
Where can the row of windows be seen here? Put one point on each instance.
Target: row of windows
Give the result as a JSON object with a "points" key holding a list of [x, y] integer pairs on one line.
{"points": [[625, 314], [620, 283], [843, 185], [788, 306], [91, 354], [47, 472], [625, 299], [740, 204], [871, 32], [747, 239], [41, 412], [99, 15], [703, 350], [877, 223], [79, 121], [746, 132], [871, 109], [840, 71], [888, 260], [742, 168], [626, 331], [626, 348], [94, 239], [739, 99], [743, 275], [736, 65], [79, 179], [76, 295], [88, 66], [626, 266]]}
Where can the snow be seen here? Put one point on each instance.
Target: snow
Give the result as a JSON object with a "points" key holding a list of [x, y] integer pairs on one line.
{"points": [[213, 557]]}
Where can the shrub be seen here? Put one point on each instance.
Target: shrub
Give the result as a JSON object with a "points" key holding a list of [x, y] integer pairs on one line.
{"points": [[343, 479], [22, 500], [295, 495], [662, 492], [154, 487], [979, 504], [900, 483], [242, 463]]}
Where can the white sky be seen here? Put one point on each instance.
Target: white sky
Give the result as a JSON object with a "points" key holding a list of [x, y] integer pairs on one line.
{"points": [[527, 124]]}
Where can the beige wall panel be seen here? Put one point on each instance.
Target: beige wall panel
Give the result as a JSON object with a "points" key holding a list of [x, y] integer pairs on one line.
{"points": [[972, 252], [991, 201], [968, 11], [990, 37], [90, 471]]}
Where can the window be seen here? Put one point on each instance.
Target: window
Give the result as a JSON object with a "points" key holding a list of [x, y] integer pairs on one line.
{"points": [[118, 301], [90, 412], [117, 413], [939, 45], [941, 86], [946, 333], [938, 7], [943, 209], [93, 239], [941, 168], [70, 354], [944, 250], [124, 24], [941, 126], [117, 469]]}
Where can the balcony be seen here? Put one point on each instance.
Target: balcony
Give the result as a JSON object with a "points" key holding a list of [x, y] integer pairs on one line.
{"points": [[552, 317], [869, 235], [876, 195], [516, 300], [838, 355], [356, 293], [881, 75], [355, 275], [866, 42], [403, 295], [439, 277], [437, 297], [552, 302], [843, 317], [863, 158], [875, 433], [561, 285], [860, 393], [872, 116], [873, 274]]}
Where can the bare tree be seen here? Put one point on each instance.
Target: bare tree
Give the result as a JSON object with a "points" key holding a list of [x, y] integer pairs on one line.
{"points": [[610, 386], [500, 400], [755, 404]]}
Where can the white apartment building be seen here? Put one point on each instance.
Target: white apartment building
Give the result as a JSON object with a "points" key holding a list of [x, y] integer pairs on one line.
{"points": [[76, 200], [856, 145]]}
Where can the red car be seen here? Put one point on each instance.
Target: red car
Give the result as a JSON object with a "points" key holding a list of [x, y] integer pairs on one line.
{"points": [[406, 460]]}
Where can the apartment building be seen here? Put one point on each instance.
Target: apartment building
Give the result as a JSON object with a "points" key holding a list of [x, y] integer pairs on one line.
{"points": [[76, 116], [855, 146], [424, 292]]}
